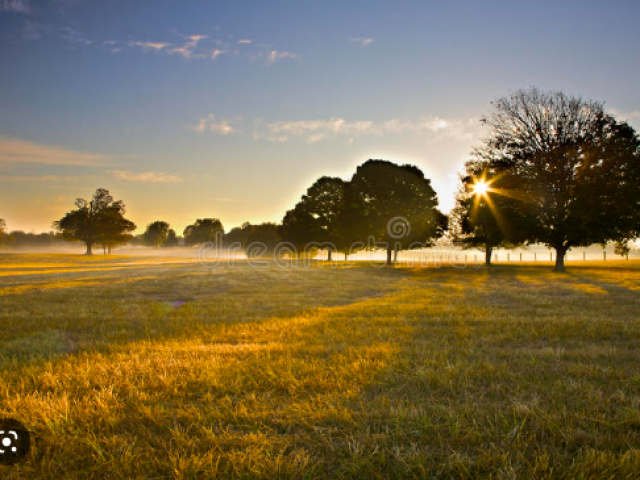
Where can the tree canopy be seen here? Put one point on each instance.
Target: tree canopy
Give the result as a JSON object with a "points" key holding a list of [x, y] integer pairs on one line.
{"points": [[313, 222], [99, 221], [483, 216], [578, 168], [204, 230], [394, 204], [156, 234]]}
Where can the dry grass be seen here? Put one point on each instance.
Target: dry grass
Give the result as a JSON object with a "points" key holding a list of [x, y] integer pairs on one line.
{"points": [[133, 368]]}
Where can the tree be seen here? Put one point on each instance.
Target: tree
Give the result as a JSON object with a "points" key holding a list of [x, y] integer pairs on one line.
{"points": [[4, 238], [579, 168], [204, 230], [393, 203], [238, 235], [100, 221], [263, 240], [483, 217], [172, 239], [156, 234], [313, 221]]}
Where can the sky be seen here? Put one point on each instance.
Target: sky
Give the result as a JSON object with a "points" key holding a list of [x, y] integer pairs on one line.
{"points": [[188, 109]]}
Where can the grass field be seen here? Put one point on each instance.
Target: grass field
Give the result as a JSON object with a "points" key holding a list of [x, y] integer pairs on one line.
{"points": [[130, 367]]}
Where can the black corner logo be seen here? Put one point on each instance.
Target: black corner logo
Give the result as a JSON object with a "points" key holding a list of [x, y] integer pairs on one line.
{"points": [[14, 441]]}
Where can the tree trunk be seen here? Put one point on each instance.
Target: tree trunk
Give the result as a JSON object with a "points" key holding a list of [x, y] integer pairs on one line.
{"points": [[346, 256], [487, 255], [329, 255], [560, 253], [89, 252], [395, 254], [389, 251]]}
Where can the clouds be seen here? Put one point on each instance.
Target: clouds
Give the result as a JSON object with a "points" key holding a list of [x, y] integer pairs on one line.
{"points": [[148, 177], [15, 6], [147, 46], [313, 131], [210, 124], [275, 55], [364, 42], [333, 128], [197, 46], [15, 151]]}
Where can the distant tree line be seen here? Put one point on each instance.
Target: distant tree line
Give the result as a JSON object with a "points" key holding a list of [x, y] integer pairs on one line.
{"points": [[552, 169]]}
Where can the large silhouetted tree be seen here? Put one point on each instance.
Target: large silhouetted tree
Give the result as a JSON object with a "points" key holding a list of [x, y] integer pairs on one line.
{"points": [[313, 221], [99, 221], [395, 204], [204, 230], [156, 234], [579, 168]]}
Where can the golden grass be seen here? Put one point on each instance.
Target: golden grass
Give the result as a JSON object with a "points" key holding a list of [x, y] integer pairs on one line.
{"points": [[168, 370]]}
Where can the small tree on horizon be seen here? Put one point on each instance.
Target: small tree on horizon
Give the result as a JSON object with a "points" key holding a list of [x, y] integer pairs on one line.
{"points": [[99, 221], [202, 231], [156, 234]]}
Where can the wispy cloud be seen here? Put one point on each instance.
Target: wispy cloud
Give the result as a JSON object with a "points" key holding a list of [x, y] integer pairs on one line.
{"points": [[216, 53], [150, 46], [275, 55], [313, 131], [16, 6], [74, 36], [244, 41], [149, 177], [187, 50], [365, 42], [13, 150], [34, 30], [46, 178], [209, 123], [632, 117]]}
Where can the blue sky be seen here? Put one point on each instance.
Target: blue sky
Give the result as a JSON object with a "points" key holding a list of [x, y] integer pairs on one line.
{"points": [[196, 108]]}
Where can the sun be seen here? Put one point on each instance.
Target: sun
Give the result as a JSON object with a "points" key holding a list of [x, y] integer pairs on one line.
{"points": [[480, 187]]}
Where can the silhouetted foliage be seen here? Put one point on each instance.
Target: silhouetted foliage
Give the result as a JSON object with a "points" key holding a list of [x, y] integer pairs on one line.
{"points": [[156, 234], [238, 237], [394, 204], [204, 230], [19, 239], [98, 222], [486, 220], [313, 221], [262, 240], [4, 238], [172, 239], [579, 169]]}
